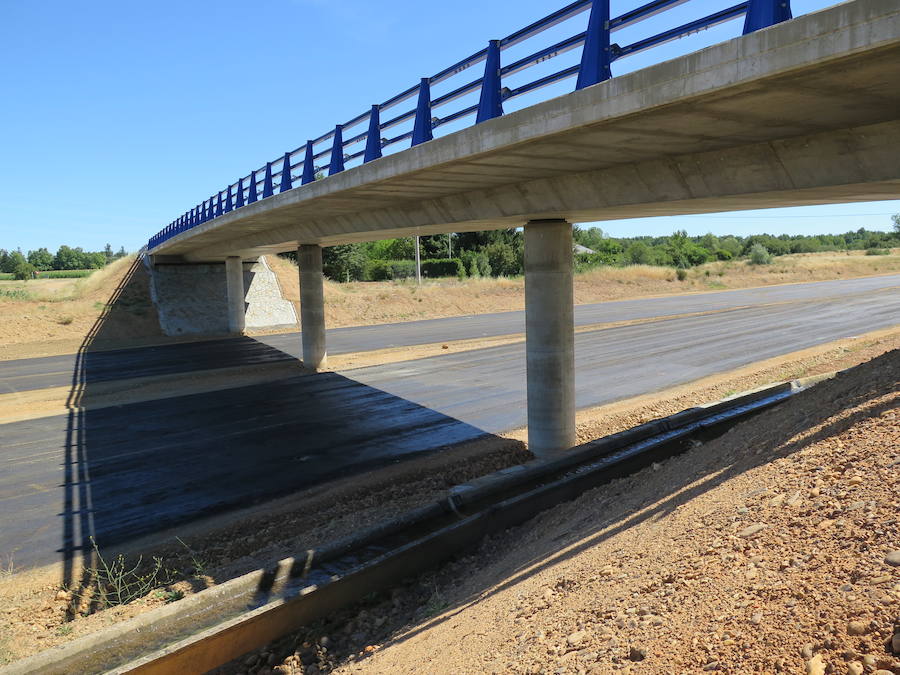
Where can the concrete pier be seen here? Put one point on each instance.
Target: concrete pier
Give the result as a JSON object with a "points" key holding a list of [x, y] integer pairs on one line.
{"points": [[234, 284], [312, 306], [549, 336]]}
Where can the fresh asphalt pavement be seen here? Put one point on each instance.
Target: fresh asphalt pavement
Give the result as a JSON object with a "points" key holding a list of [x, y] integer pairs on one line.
{"points": [[134, 469], [60, 371]]}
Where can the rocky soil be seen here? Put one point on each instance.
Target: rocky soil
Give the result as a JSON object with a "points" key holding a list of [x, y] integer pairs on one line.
{"points": [[774, 548]]}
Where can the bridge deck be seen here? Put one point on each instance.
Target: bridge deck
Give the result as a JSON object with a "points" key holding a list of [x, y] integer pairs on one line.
{"points": [[804, 112]]}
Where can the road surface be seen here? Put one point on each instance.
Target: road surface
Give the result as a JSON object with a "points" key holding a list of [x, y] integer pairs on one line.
{"points": [[130, 470], [60, 371]]}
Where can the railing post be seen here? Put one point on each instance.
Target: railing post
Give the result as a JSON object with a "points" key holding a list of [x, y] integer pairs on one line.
{"points": [[309, 167], [286, 183], [203, 217], [251, 196], [490, 105], [219, 209], [765, 13], [267, 183], [337, 152], [373, 138], [595, 58], [239, 202], [422, 125], [229, 204]]}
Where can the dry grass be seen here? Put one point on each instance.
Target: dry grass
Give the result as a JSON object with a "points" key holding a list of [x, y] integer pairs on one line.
{"points": [[361, 303]]}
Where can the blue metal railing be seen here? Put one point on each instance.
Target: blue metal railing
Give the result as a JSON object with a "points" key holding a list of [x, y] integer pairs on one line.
{"points": [[598, 54]]}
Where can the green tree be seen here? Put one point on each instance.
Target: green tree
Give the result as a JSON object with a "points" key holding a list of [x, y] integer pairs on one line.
{"points": [[23, 271], [95, 260], [896, 219], [503, 258], [638, 253], [345, 262], [42, 259], [68, 258], [108, 252], [13, 260]]}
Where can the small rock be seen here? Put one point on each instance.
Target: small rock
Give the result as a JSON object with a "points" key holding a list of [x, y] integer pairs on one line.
{"points": [[815, 665], [856, 480], [868, 660], [752, 530], [637, 654], [576, 638], [883, 672], [711, 666], [895, 641], [756, 618], [855, 668], [893, 558], [806, 651], [857, 628]]}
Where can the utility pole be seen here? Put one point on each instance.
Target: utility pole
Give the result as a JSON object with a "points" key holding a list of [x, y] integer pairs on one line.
{"points": [[449, 246], [418, 263]]}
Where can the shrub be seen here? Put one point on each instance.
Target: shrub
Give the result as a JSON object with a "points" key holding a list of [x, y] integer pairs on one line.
{"points": [[388, 270], [759, 255], [443, 267], [723, 254], [878, 251], [681, 273], [24, 271]]}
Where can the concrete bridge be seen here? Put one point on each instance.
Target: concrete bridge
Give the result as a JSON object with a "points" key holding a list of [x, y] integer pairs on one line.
{"points": [[803, 111]]}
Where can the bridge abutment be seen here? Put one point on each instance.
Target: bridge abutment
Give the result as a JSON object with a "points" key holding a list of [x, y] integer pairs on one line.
{"points": [[312, 306], [234, 285], [549, 336]]}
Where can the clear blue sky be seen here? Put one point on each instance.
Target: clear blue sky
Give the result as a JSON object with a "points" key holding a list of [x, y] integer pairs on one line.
{"points": [[119, 116]]}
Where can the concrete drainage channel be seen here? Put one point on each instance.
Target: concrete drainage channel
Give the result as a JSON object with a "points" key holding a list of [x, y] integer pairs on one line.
{"points": [[217, 625]]}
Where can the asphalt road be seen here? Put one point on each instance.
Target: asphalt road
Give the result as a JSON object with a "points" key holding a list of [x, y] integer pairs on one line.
{"points": [[60, 371], [133, 469]]}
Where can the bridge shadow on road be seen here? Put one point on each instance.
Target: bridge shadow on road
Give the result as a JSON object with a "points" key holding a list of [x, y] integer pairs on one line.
{"points": [[139, 468]]}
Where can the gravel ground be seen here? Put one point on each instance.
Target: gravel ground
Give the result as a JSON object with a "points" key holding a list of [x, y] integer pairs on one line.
{"points": [[774, 548]]}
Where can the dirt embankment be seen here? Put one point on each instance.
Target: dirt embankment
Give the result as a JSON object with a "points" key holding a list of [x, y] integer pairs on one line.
{"points": [[110, 308], [774, 548]]}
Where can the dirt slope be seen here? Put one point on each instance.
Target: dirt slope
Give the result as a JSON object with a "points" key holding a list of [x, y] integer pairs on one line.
{"points": [[767, 550]]}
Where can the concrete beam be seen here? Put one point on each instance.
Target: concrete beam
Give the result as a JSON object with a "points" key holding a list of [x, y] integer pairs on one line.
{"points": [[550, 336], [234, 285], [312, 306]]}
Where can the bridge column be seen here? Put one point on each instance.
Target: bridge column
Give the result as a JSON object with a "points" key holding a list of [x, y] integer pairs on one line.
{"points": [[312, 306], [234, 285], [549, 336]]}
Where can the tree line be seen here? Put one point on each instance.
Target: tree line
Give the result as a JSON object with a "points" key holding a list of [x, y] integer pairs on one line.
{"points": [[501, 252], [24, 266]]}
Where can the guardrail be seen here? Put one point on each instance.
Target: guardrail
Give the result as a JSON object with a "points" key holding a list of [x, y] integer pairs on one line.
{"points": [[598, 54]]}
